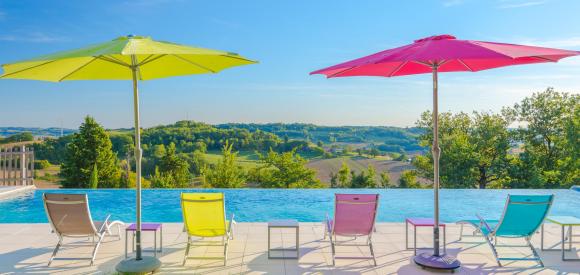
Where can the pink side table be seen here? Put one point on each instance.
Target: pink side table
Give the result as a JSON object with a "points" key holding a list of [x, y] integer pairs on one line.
{"points": [[420, 222]]}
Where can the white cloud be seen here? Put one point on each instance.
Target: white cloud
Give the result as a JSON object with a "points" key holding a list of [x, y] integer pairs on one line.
{"points": [[36, 37], [519, 4]]}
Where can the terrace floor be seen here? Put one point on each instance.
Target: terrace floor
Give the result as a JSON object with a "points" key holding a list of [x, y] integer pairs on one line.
{"points": [[26, 248]]}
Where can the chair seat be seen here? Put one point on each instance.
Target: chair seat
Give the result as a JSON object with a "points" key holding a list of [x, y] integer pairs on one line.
{"points": [[209, 232], [477, 223]]}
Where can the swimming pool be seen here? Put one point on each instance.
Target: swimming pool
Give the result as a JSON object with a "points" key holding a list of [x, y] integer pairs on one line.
{"points": [[307, 205]]}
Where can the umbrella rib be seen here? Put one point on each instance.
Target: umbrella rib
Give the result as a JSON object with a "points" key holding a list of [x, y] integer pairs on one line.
{"points": [[423, 63], [77, 69], [345, 70], [146, 58], [149, 60], [396, 70], [193, 63], [239, 58], [465, 65], [545, 58], [108, 59], [29, 68], [117, 59]]}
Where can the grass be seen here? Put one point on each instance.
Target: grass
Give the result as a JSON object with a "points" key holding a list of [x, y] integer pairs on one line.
{"points": [[245, 159]]}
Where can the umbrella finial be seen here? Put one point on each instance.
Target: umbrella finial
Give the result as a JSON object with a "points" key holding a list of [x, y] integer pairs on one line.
{"points": [[436, 37]]}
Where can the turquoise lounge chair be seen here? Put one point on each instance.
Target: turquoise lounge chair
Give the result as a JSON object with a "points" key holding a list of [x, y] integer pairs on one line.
{"points": [[522, 217]]}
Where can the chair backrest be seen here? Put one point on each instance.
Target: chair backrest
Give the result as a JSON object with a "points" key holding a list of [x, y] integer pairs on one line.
{"points": [[204, 214], [355, 214], [523, 215], [69, 214]]}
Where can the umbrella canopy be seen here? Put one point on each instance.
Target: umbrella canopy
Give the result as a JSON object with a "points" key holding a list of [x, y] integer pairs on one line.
{"points": [[127, 58], [442, 53], [449, 53], [112, 60]]}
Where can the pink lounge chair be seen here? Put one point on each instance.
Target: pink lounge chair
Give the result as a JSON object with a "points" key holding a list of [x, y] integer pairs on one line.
{"points": [[354, 216]]}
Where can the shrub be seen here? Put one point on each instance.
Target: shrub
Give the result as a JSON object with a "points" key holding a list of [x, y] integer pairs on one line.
{"points": [[41, 164]]}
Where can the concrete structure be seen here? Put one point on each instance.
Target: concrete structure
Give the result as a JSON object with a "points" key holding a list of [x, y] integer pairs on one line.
{"points": [[26, 248]]}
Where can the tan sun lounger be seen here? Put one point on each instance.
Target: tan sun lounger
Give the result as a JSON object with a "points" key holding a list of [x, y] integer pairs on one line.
{"points": [[69, 216]]}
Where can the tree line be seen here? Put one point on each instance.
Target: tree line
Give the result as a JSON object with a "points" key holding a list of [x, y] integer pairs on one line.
{"points": [[480, 150], [95, 158]]}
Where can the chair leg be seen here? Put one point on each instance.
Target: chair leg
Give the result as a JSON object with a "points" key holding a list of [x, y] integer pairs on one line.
{"points": [[536, 255], [332, 249], [372, 252], [186, 251], [119, 231], [493, 250], [96, 248], [54, 251], [226, 253]]}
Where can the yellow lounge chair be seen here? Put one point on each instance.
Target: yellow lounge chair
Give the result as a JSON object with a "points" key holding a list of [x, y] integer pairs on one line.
{"points": [[204, 216]]}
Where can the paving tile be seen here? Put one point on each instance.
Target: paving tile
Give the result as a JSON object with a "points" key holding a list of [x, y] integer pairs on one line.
{"points": [[26, 248]]}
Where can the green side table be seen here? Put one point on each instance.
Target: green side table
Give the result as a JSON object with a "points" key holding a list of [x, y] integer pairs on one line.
{"points": [[563, 221]]}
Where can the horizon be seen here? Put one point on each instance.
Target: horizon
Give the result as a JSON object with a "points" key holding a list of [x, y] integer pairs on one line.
{"points": [[299, 38], [212, 124]]}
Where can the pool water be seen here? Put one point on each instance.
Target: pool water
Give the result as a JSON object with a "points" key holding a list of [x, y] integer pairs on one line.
{"points": [[306, 205]]}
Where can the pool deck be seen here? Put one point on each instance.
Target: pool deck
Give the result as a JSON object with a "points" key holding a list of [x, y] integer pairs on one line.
{"points": [[26, 248]]}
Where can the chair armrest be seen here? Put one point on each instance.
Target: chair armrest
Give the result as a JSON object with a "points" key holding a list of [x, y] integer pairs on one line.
{"points": [[232, 222], [328, 225], [105, 224], [484, 223]]}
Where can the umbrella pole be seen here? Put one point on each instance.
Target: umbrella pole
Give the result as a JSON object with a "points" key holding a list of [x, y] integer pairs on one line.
{"points": [[436, 151], [140, 264], [436, 260], [138, 155]]}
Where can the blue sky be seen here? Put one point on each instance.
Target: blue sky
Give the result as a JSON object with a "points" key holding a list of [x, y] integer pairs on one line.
{"points": [[290, 39]]}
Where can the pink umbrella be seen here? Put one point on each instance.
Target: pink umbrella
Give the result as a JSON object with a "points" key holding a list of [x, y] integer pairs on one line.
{"points": [[442, 53]]}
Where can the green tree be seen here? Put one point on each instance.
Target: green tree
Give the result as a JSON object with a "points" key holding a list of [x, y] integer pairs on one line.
{"points": [[172, 172], [343, 175], [374, 152], [474, 149], [364, 179], [546, 119], [490, 139], [333, 180], [456, 161], [285, 170], [89, 147], [94, 181], [52, 149], [409, 179], [226, 173], [372, 174], [20, 137], [385, 179], [159, 151]]}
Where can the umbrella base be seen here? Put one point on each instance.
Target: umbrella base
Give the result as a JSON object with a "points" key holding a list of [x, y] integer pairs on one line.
{"points": [[133, 266], [441, 262]]}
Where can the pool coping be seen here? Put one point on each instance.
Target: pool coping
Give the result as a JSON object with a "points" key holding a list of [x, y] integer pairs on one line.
{"points": [[13, 191]]}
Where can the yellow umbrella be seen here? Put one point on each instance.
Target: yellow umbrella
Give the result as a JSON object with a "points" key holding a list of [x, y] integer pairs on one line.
{"points": [[126, 58]]}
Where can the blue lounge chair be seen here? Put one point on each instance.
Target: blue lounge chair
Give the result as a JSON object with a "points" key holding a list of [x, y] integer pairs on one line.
{"points": [[522, 217]]}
